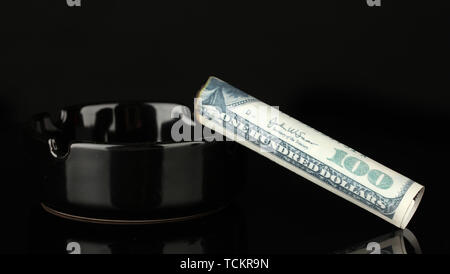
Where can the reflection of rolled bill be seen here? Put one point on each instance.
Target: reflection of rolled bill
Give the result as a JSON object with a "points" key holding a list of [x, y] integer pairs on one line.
{"points": [[307, 152], [392, 243]]}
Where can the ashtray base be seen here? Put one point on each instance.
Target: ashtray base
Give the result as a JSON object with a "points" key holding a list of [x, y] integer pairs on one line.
{"points": [[127, 222]]}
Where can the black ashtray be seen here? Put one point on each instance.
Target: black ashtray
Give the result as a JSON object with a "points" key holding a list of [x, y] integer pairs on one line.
{"points": [[118, 163]]}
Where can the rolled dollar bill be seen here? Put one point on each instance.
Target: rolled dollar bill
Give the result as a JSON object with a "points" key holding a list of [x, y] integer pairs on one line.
{"points": [[307, 152]]}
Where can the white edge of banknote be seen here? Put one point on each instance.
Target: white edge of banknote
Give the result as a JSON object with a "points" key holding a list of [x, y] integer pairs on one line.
{"points": [[405, 209]]}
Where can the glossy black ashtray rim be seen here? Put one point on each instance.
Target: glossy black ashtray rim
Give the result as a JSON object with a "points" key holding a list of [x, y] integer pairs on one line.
{"points": [[56, 123], [141, 145]]}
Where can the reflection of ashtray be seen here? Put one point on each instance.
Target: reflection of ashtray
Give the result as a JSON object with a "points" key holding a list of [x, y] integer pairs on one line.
{"points": [[118, 163], [223, 233]]}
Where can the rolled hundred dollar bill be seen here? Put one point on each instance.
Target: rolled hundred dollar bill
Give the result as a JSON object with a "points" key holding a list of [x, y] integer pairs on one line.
{"points": [[307, 152]]}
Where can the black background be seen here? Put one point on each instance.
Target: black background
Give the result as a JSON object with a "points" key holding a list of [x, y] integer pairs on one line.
{"points": [[375, 79]]}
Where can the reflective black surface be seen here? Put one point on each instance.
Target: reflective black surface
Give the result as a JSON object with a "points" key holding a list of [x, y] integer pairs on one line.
{"points": [[220, 233]]}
